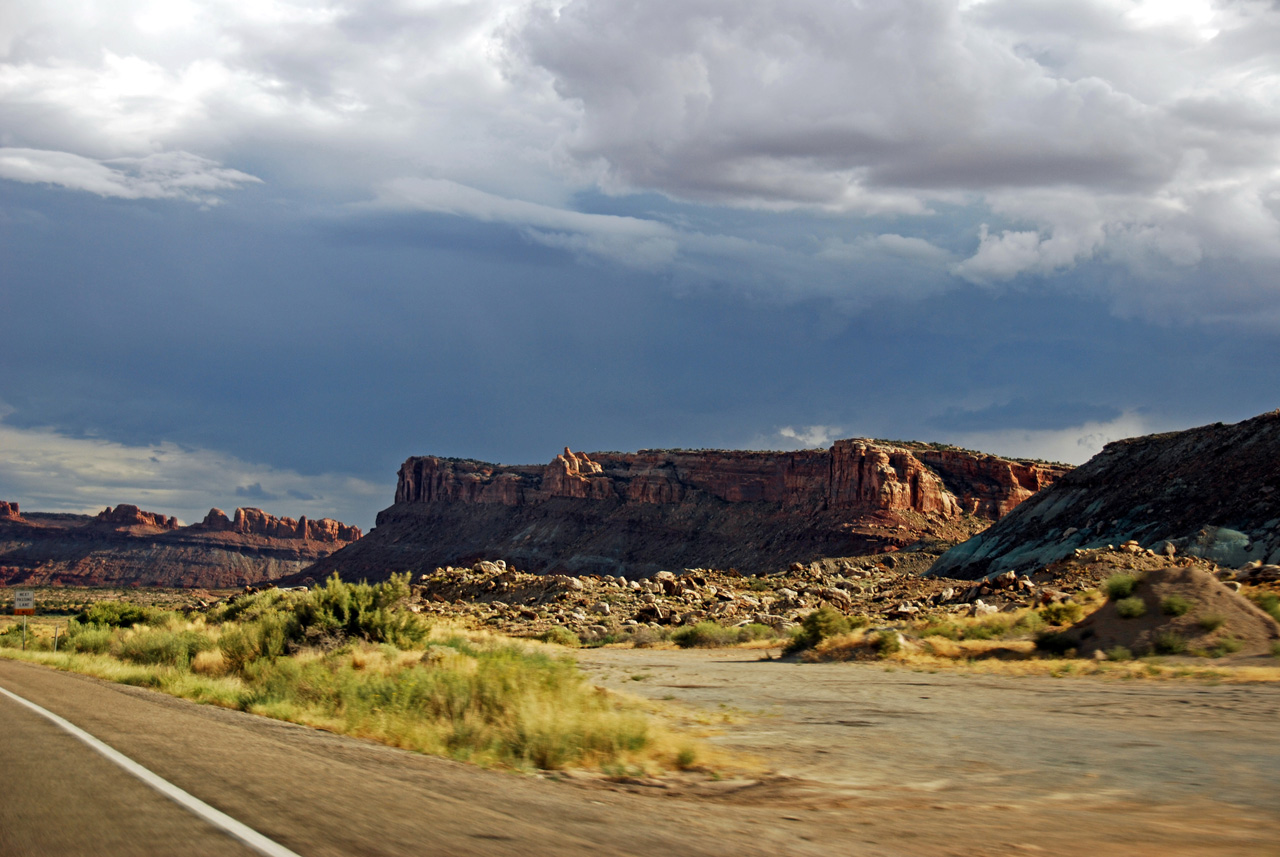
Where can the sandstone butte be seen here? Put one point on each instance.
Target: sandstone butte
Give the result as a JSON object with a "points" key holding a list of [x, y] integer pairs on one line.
{"points": [[637, 513], [125, 546], [1211, 492]]}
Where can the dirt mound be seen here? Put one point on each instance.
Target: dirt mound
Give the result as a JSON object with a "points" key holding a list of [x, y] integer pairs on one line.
{"points": [[1176, 610]]}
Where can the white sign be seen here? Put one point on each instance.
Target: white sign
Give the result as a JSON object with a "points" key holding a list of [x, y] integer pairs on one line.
{"points": [[24, 600]]}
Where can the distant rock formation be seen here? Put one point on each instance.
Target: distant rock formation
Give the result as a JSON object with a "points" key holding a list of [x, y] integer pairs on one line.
{"points": [[126, 515], [852, 474], [1211, 492], [125, 546], [637, 513], [255, 522]]}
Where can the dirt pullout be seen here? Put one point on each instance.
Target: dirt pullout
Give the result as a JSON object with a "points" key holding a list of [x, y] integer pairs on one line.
{"points": [[1179, 609], [1002, 765]]}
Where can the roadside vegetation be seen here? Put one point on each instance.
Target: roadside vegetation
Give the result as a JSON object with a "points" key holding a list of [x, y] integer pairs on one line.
{"points": [[346, 658]]}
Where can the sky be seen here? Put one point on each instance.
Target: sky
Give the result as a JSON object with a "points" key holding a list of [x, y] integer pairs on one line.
{"points": [[259, 253]]}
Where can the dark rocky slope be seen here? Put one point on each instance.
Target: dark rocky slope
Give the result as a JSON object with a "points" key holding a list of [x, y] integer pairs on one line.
{"points": [[635, 514], [1211, 492]]}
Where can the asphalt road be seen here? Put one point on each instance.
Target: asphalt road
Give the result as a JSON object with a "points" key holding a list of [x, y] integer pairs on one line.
{"points": [[311, 791], [322, 794]]}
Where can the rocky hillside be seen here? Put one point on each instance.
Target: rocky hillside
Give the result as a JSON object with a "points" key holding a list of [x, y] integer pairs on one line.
{"points": [[634, 514], [125, 546], [1211, 492]]}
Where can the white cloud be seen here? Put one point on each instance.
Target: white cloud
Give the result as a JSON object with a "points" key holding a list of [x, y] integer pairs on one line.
{"points": [[811, 436], [1139, 135], [1072, 445], [45, 471], [631, 240], [168, 175], [796, 437]]}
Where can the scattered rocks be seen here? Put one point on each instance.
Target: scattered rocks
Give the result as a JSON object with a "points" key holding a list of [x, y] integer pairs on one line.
{"points": [[495, 594]]}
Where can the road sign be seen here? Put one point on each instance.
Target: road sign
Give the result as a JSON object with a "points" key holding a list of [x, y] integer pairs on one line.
{"points": [[24, 603]]}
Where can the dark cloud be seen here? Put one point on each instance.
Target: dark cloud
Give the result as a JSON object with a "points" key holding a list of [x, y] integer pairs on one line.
{"points": [[623, 225], [1022, 413], [255, 492]]}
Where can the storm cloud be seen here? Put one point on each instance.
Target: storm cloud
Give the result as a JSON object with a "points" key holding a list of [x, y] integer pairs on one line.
{"points": [[321, 237]]}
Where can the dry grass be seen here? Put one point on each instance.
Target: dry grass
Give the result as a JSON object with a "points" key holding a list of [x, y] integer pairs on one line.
{"points": [[1015, 654], [457, 692], [466, 694]]}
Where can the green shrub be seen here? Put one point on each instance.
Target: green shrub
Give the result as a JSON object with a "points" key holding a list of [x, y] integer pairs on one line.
{"points": [[1275, 649], [1131, 608], [248, 608], [704, 635], [1055, 642], [357, 610], [1211, 621], [163, 647], [118, 614], [1175, 605], [755, 631], [561, 637], [710, 635], [92, 638], [990, 628], [1269, 602], [11, 638], [817, 626], [1062, 613], [886, 643], [1226, 646], [642, 636], [1169, 643], [266, 639], [1119, 653], [1119, 586]]}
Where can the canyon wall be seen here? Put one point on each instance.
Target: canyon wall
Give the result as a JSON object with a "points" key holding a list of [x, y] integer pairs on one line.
{"points": [[255, 522], [126, 546], [852, 474], [637, 513]]}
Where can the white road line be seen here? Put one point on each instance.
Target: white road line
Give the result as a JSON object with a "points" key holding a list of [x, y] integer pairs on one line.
{"points": [[244, 833]]}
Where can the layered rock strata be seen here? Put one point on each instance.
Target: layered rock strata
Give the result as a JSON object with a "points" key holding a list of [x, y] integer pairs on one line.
{"points": [[637, 513], [125, 546], [255, 522], [1211, 492], [126, 515]]}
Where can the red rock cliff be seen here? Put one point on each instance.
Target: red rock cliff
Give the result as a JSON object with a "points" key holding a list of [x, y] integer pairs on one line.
{"points": [[255, 522], [126, 515], [9, 511], [852, 474]]}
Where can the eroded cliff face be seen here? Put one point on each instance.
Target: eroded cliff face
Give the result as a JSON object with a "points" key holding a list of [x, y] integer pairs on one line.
{"points": [[126, 515], [853, 474], [636, 513], [255, 522], [1212, 492], [124, 546]]}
